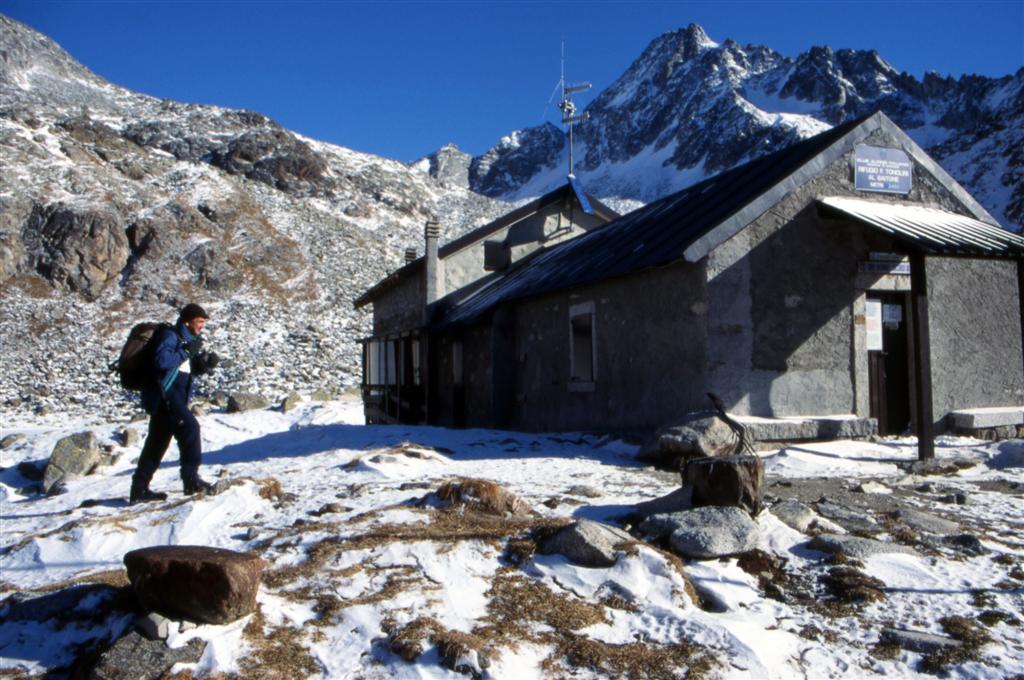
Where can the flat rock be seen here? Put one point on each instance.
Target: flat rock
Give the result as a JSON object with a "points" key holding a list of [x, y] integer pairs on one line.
{"points": [[915, 641], [136, 657], [76, 454], [855, 546], [586, 543], [848, 518], [705, 533], [922, 521], [197, 583], [290, 402]]}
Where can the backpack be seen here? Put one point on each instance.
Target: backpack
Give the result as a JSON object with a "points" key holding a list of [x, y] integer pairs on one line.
{"points": [[135, 363]]}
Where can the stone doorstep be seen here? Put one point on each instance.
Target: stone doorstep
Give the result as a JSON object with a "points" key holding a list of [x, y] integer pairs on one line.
{"points": [[980, 418], [808, 428]]}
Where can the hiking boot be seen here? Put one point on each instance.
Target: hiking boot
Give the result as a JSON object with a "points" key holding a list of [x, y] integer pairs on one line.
{"points": [[197, 485], [146, 496]]}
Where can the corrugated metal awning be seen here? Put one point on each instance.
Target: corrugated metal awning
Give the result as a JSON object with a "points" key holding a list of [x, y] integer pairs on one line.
{"points": [[933, 231]]}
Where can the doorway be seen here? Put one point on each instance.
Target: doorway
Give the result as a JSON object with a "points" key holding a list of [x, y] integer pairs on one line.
{"points": [[888, 361]]}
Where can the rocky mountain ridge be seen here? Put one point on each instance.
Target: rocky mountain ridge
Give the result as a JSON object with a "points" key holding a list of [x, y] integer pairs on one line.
{"points": [[117, 207], [689, 108]]}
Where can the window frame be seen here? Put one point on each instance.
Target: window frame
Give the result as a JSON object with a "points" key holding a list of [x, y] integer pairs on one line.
{"points": [[576, 383]]}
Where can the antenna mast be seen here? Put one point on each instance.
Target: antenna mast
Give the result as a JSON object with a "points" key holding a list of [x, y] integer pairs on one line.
{"points": [[568, 108]]}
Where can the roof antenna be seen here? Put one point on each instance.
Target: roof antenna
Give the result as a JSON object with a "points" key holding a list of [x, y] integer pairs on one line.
{"points": [[568, 108]]}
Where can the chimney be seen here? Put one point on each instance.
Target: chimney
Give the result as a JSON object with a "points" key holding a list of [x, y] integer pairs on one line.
{"points": [[410, 255], [432, 274]]}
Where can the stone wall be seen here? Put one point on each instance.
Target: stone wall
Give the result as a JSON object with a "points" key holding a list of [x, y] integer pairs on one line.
{"points": [[786, 302], [976, 355], [649, 331], [399, 308]]}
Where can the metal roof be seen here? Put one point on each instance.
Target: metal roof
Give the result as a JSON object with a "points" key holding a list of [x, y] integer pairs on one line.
{"points": [[572, 187], [653, 235], [930, 230]]}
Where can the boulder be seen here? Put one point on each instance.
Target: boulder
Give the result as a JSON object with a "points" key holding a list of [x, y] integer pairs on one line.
{"points": [[129, 437], [320, 394], [705, 533], [134, 656], [586, 543], [584, 491], [795, 514], [77, 454], [700, 435], [245, 401], [197, 583], [736, 481], [290, 402], [854, 546]]}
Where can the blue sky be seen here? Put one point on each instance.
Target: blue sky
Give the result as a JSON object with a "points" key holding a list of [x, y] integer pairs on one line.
{"points": [[400, 79]]}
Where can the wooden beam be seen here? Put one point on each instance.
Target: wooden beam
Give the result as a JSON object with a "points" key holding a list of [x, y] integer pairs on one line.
{"points": [[922, 358]]}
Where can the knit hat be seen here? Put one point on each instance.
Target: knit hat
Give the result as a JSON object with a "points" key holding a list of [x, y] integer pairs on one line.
{"points": [[191, 311]]}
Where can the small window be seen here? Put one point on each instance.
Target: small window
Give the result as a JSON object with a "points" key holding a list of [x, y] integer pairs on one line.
{"points": [[457, 362], [582, 364]]}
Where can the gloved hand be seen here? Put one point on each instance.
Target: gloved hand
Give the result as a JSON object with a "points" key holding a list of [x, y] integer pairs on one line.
{"points": [[204, 362], [193, 348]]}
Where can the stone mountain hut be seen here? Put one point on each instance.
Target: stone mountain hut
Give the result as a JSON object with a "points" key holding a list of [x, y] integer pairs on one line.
{"points": [[846, 279]]}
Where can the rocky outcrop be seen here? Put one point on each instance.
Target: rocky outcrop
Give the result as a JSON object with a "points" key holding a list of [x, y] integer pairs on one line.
{"points": [[195, 583], [78, 250], [707, 107], [77, 454]]}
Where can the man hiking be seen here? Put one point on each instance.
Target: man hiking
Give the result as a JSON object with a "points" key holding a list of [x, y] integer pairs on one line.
{"points": [[176, 359]]}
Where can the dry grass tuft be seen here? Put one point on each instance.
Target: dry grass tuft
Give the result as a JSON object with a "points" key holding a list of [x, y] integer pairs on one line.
{"points": [[480, 495], [636, 660], [851, 586], [972, 638], [516, 600], [278, 652]]}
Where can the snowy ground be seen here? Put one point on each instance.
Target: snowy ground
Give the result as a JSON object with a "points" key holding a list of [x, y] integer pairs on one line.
{"points": [[345, 581]]}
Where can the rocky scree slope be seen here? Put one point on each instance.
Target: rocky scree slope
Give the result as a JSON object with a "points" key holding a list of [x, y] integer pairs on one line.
{"points": [[689, 108], [117, 207]]}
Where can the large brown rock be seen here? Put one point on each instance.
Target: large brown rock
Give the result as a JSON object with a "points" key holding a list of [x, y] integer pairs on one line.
{"points": [[736, 481], [197, 583]]}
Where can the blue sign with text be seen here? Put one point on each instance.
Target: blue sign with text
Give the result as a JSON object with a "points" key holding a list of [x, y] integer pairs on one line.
{"points": [[884, 170]]}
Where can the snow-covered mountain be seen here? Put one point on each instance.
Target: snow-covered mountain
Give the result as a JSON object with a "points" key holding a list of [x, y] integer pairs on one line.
{"points": [[689, 108], [116, 207]]}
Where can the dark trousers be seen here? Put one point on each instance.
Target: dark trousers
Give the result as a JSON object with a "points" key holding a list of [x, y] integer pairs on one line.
{"points": [[171, 418]]}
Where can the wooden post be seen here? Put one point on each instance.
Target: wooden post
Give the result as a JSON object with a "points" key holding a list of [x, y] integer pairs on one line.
{"points": [[922, 358]]}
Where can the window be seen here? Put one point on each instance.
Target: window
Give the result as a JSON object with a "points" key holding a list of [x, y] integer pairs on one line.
{"points": [[582, 363]]}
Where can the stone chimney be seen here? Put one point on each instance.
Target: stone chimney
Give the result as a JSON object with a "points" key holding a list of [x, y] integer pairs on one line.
{"points": [[410, 255], [432, 267]]}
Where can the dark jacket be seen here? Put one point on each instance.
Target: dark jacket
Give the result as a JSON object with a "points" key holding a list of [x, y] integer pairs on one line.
{"points": [[171, 384]]}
